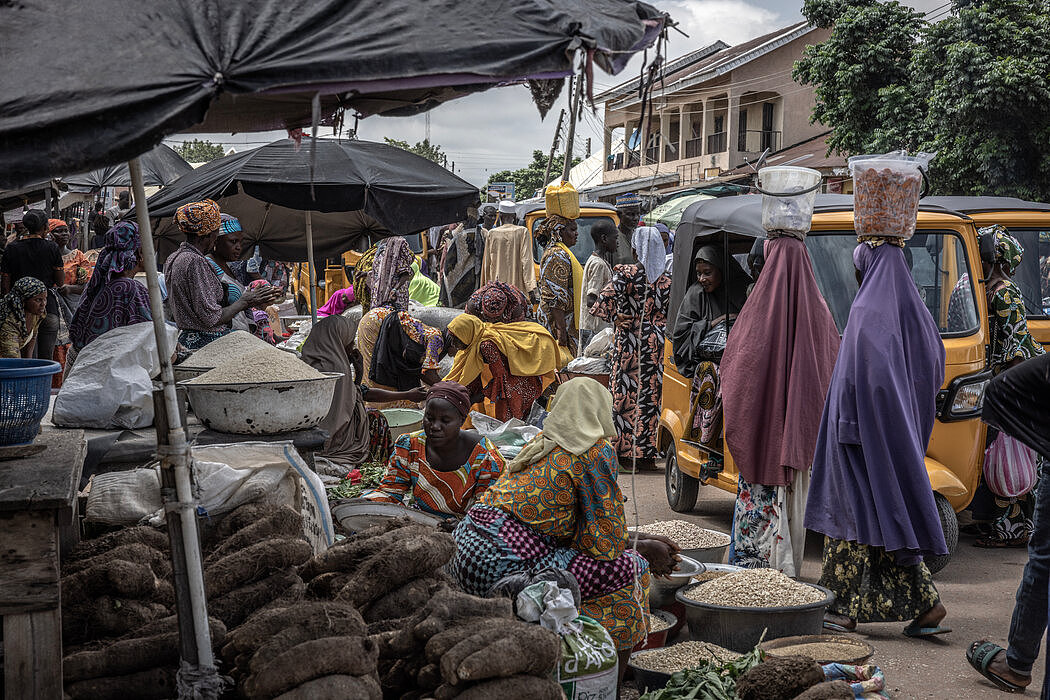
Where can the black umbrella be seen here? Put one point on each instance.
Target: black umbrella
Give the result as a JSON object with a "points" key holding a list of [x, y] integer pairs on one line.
{"points": [[151, 68], [160, 166]]}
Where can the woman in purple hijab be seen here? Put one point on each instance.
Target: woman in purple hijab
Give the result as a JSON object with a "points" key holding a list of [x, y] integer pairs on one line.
{"points": [[870, 495]]}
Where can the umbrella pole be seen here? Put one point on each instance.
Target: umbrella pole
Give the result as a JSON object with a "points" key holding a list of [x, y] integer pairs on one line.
{"points": [[310, 266], [198, 676]]}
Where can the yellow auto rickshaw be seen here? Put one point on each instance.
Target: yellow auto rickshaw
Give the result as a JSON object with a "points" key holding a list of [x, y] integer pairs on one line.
{"points": [[330, 279], [945, 263], [532, 215]]}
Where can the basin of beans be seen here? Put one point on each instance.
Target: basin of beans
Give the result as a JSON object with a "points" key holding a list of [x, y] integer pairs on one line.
{"points": [[678, 657], [754, 588]]}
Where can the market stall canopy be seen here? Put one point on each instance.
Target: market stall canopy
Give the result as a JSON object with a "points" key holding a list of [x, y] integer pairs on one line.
{"points": [[670, 212], [167, 66], [160, 166], [361, 189]]}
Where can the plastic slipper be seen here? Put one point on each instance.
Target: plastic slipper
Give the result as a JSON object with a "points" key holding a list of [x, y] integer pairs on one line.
{"points": [[836, 627], [996, 543], [913, 630], [980, 655]]}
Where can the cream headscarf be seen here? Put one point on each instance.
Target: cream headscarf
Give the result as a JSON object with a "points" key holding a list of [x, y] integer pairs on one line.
{"points": [[580, 415]]}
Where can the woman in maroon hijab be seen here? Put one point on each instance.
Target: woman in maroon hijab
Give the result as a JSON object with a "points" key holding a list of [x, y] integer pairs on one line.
{"points": [[775, 375]]}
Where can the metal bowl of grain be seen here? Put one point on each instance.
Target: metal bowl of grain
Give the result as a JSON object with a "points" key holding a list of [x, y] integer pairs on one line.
{"points": [[263, 407], [652, 668], [734, 610], [696, 542], [822, 648], [660, 623], [662, 589], [715, 571]]}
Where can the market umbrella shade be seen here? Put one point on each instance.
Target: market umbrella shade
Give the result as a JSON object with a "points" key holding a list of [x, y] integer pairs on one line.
{"points": [[160, 166], [255, 65], [360, 188], [670, 212]]}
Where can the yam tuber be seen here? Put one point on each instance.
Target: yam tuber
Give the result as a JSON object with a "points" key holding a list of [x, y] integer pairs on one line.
{"points": [[532, 687], [829, 690], [283, 522], [252, 563], [452, 606], [393, 567], [348, 556], [438, 645], [261, 627], [151, 684], [523, 649], [128, 656], [315, 626], [235, 607], [326, 585], [357, 687], [429, 677], [159, 560], [779, 677], [411, 596], [106, 616], [355, 656], [151, 537], [123, 579]]}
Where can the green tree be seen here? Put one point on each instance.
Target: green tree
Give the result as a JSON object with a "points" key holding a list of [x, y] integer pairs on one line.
{"points": [[528, 180], [197, 151], [422, 148], [975, 87]]}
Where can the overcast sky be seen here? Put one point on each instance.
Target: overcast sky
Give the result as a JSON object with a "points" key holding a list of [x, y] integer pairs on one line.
{"points": [[499, 129]]}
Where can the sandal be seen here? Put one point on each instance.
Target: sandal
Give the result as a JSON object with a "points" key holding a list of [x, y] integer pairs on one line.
{"points": [[980, 655], [914, 630], [832, 626], [997, 543]]}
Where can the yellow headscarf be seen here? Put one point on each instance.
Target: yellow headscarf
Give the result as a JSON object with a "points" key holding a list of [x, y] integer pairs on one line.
{"points": [[580, 415], [577, 280], [529, 348]]}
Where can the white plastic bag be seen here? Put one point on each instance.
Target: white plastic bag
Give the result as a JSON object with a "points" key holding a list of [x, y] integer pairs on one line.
{"points": [[508, 437], [111, 382], [600, 344]]}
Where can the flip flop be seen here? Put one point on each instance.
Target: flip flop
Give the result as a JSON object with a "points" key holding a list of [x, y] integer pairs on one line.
{"points": [[980, 655], [913, 630], [836, 627], [996, 543]]}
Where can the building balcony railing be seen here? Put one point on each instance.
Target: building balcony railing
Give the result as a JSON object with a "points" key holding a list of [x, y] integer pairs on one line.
{"points": [[718, 143], [694, 148], [652, 154], [616, 161], [756, 141]]}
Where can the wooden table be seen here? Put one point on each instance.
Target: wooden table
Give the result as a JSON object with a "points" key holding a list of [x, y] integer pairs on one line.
{"points": [[37, 498]]}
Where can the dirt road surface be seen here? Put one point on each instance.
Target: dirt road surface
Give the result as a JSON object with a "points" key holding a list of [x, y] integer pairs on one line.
{"points": [[977, 587]]}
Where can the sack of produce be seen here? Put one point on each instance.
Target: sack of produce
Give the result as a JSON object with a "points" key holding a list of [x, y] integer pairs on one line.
{"points": [[588, 666], [563, 200], [886, 192]]}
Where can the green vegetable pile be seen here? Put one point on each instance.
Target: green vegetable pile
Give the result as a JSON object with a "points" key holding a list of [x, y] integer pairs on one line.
{"points": [[708, 680], [371, 475]]}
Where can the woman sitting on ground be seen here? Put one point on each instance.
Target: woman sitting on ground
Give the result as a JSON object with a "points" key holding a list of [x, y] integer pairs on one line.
{"points": [[112, 299], [710, 306], [356, 434], [558, 505], [440, 469], [499, 302], [21, 311], [508, 363]]}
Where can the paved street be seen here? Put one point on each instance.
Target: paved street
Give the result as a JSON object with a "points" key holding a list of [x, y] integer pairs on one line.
{"points": [[977, 587]]}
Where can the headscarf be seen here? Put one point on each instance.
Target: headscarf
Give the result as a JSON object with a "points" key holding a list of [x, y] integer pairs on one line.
{"points": [[648, 245], [662, 228], [499, 302], [580, 415], [453, 392], [772, 400], [422, 289], [13, 303], [338, 302], [52, 224], [393, 259], [198, 218], [552, 227], [362, 272], [869, 482], [530, 349], [119, 254], [699, 309], [1008, 250], [347, 421], [229, 224]]}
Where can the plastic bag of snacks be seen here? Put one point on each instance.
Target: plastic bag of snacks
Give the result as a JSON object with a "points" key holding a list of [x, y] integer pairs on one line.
{"points": [[562, 199], [886, 192]]}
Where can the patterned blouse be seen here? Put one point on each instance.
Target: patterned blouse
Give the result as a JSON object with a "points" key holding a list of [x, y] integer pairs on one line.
{"points": [[1009, 327], [409, 480], [573, 499]]}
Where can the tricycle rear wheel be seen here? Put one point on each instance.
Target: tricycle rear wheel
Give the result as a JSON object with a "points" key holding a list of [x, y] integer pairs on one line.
{"points": [[681, 488], [950, 525]]}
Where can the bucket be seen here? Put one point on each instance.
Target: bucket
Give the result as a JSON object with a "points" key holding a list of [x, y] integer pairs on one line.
{"points": [[788, 196], [886, 193], [25, 394], [402, 420]]}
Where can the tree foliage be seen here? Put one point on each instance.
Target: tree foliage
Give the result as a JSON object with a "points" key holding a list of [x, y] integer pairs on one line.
{"points": [[197, 151], [529, 179], [423, 148], [974, 87]]}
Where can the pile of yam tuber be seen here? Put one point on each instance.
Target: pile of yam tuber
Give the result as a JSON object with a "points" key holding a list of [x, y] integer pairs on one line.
{"points": [[372, 617]]}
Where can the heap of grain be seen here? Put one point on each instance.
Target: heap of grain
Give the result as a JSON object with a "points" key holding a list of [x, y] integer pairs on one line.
{"points": [[681, 656], [228, 347], [264, 365], [754, 588], [686, 535]]}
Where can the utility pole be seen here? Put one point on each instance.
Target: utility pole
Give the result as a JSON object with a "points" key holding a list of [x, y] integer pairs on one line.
{"points": [[575, 96], [588, 147], [554, 147]]}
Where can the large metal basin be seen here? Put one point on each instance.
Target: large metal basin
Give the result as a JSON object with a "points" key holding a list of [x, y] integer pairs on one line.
{"points": [[263, 408]]}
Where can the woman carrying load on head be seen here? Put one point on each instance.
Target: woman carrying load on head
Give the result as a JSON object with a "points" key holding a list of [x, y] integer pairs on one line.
{"points": [[21, 311], [195, 293], [442, 469], [709, 308], [508, 363], [399, 351], [499, 302], [869, 493], [561, 281], [558, 505], [772, 401], [636, 302], [1004, 522]]}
